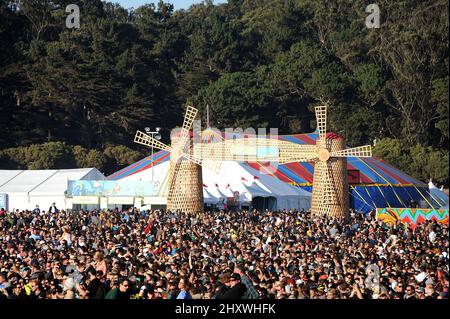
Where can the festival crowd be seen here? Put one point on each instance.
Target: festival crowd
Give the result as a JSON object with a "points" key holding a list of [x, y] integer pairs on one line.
{"points": [[134, 254]]}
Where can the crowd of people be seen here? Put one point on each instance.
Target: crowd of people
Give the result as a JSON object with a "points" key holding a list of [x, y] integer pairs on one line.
{"points": [[132, 254]]}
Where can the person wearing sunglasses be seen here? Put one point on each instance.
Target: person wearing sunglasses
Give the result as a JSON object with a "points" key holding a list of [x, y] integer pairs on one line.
{"points": [[410, 292], [121, 292]]}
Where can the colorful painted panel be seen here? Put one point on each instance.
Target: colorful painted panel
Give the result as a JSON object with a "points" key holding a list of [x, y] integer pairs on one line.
{"points": [[110, 188], [413, 217]]}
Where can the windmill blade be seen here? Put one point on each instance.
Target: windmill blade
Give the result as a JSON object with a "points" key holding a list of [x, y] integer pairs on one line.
{"points": [[193, 159], [243, 150], [321, 118], [362, 151], [330, 185], [301, 153], [147, 140], [325, 184], [189, 118], [173, 169], [212, 165]]}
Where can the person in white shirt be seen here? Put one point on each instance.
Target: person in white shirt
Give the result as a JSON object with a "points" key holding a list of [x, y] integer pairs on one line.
{"points": [[432, 236]]}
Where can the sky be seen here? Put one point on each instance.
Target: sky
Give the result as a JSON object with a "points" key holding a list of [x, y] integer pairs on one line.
{"points": [[179, 4]]}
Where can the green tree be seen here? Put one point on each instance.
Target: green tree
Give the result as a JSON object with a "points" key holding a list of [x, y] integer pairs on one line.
{"points": [[89, 158], [369, 81], [237, 101], [255, 62], [438, 166], [393, 151], [121, 155], [440, 98]]}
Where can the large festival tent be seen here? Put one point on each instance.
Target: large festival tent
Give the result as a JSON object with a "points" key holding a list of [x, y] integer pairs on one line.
{"points": [[250, 184], [373, 183], [255, 188], [27, 188]]}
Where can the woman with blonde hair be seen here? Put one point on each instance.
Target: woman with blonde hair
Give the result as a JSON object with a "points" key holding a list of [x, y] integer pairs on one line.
{"points": [[99, 262], [67, 236]]}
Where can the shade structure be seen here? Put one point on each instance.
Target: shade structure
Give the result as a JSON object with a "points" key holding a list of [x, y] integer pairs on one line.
{"points": [[28, 188], [208, 198], [373, 183]]}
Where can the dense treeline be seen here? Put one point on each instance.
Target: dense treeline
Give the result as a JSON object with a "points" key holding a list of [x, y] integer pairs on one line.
{"points": [[257, 63]]}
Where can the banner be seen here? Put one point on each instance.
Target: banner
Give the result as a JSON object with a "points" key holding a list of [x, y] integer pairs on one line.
{"points": [[412, 216], [111, 188], [121, 200], [92, 200], [4, 201]]}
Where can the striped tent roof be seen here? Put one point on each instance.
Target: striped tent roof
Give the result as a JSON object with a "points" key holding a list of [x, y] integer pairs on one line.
{"points": [[373, 171]]}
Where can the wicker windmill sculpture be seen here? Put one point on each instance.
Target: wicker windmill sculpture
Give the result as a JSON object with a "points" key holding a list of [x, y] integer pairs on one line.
{"points": [[185, 185], [330, 185], [185, 188]]}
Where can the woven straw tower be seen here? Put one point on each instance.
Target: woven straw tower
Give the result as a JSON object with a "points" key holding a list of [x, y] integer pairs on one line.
{"points": [[185, 187], [332, 200]]}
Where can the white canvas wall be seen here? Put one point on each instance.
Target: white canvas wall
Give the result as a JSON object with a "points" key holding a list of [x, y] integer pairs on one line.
{"points": [[29, 188]]}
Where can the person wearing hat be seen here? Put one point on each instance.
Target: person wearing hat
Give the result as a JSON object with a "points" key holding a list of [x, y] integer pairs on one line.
{"points": [[237, 289], [222, 287]]}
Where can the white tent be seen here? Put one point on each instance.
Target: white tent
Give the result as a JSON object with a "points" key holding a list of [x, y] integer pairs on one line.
{"points": [[213, 195], [234, 177], [438, 195], [248, 192], [257, 184], [208, 198], [287, 196], [28, 188]]}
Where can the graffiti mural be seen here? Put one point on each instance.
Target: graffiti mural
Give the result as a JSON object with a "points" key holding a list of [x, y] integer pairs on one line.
{"points": [[411, 216]]}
